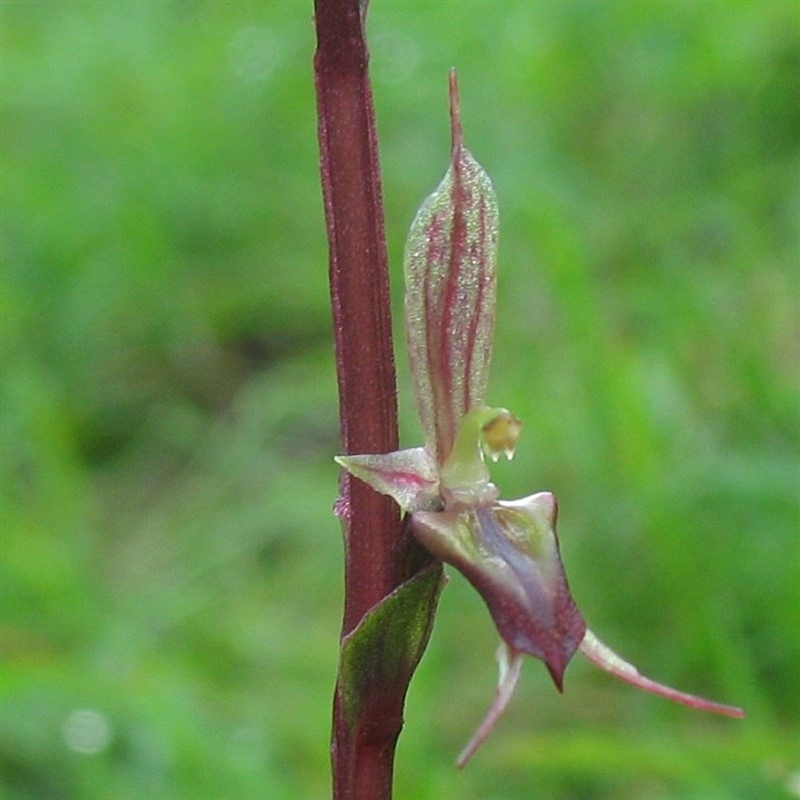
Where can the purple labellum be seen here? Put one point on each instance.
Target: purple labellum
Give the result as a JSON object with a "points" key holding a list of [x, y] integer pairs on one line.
{"points": [[509, 553]]}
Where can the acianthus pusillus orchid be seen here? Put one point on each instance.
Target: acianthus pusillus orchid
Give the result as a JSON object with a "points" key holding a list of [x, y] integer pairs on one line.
{"points": [[508, 550]]}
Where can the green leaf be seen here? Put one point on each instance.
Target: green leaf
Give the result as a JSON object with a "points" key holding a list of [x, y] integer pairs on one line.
{"points": [[378, 658]]}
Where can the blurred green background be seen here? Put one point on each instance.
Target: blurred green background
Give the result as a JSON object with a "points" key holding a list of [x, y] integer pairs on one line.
{"points": [[170, 580]]}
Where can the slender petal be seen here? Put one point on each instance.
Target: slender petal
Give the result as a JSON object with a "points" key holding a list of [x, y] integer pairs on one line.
{"points": [[510, 664], [408, 476], [604, 657]]}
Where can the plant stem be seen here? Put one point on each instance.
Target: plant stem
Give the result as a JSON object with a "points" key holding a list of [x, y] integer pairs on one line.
{"points": [[379, 552], [359, 293]]}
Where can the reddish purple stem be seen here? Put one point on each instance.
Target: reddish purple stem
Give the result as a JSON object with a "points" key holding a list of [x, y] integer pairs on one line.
{"points": [[379, 552]]}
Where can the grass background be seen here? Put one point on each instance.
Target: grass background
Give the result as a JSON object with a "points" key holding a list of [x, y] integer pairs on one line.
{"points": [[170, 576]]}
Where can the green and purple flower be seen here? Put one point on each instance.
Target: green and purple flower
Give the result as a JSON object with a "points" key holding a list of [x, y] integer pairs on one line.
{"points": [[508, 550]]}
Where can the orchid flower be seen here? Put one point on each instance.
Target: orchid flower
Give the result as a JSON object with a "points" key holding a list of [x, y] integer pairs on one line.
{"points": [[508, 550]]}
